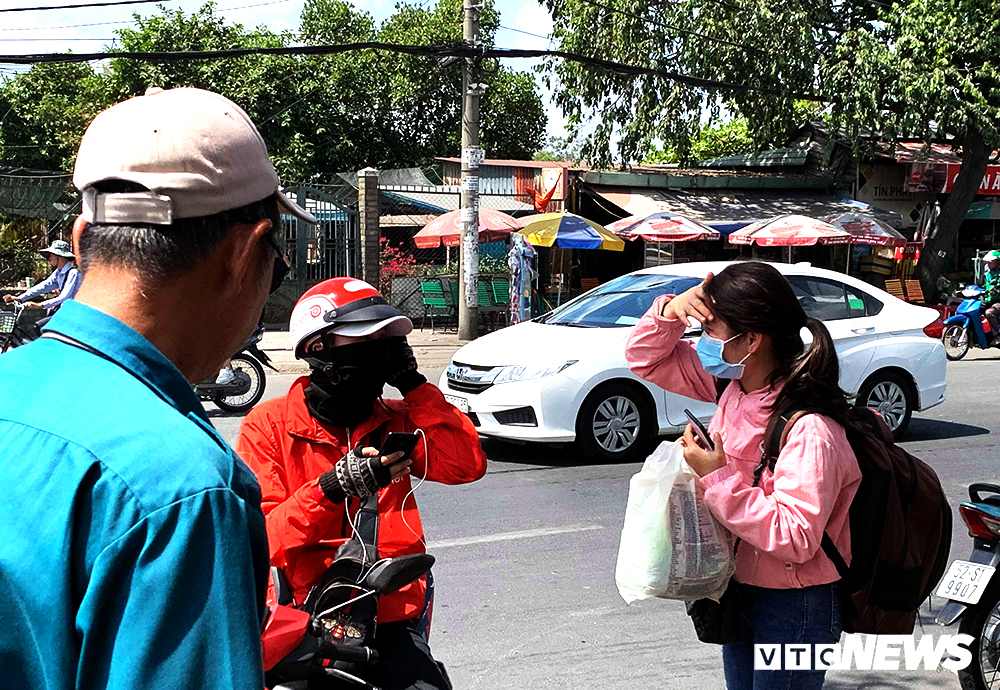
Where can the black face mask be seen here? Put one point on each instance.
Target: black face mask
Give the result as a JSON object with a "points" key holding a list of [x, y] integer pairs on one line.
{"points": [[346, 381]]}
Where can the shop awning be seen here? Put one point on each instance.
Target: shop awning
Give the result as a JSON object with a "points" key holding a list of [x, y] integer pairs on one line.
{"points": [[728, 211], [983, 210]]}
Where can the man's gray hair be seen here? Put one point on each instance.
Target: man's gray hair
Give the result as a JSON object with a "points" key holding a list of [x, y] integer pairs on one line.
{"points": [[156, 252]]}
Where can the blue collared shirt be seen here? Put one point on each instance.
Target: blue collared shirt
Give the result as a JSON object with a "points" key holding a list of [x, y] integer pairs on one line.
{"points": [[132, 544], [66, 280]]}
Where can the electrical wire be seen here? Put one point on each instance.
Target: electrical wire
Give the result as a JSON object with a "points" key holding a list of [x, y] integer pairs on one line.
{"points": [[131, 21], [79, 5], [526, 33], [458, 49]]}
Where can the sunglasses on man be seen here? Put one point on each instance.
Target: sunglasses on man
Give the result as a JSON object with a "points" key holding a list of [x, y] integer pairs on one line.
{"points": [[281, 264]]}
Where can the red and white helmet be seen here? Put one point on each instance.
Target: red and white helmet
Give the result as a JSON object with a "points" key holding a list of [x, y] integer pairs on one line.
{"points": [[346, 306]]}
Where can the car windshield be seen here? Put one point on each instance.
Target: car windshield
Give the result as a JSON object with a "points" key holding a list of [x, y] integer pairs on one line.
{"points": [[618, 303]]}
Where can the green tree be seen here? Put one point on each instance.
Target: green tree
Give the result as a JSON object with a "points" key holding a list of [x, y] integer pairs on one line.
{"points": [[560, 149], [712, 141], [319, 115], [923, 68], [426, 98], [19, 241], [44, 112]]}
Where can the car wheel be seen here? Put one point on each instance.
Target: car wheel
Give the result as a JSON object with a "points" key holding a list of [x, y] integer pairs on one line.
{"points": [[891, 396], [615, 424], [956, 341]]}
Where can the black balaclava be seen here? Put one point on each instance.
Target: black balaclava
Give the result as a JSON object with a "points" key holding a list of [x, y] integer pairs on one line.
{"points": [[345, 381]]}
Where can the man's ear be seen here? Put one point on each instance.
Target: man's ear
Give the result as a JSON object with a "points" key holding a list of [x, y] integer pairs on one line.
{"points": [[245, 244], [78, 225]]}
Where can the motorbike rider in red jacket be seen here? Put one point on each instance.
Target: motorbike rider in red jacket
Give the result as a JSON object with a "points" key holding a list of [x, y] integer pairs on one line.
{"points": [[300, 447]]}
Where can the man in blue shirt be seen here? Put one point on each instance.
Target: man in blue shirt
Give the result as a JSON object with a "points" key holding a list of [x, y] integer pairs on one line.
{"points": [[132, 547], [65, 279]]}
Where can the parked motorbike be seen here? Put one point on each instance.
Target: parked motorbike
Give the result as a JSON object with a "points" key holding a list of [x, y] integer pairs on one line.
{"points": [[968, 327], [247, 387], [973, 593], [323, 649]]}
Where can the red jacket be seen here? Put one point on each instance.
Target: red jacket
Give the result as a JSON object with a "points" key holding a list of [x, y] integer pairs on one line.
{"points": [[288, 450]]}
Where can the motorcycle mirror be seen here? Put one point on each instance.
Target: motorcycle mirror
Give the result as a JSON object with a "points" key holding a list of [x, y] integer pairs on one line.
{"points": [[396, 573]]}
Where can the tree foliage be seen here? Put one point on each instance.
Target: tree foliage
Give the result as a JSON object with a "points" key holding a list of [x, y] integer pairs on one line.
{"points": [[910, 68], [319, 115], [19, 242]]}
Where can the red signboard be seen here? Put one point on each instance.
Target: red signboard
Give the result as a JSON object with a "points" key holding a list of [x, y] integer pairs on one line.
{"points": [[938, 178]]}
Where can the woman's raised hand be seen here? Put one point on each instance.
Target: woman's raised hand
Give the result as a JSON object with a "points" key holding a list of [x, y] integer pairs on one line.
{"points": [[689, 304]]}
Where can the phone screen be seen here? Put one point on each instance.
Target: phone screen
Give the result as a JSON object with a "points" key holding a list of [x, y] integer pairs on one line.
{"points": [[398, 441], [700, 431]]}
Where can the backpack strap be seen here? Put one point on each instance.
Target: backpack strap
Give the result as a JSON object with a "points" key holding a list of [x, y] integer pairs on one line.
{"points": [[775, 437]]}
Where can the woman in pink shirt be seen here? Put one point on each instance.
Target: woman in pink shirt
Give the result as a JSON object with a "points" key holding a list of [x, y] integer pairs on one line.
{"points": [[752, 335]]}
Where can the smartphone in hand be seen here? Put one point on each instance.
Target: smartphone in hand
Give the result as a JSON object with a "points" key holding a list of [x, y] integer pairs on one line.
{"points": [[700, 431], [398, 441]]}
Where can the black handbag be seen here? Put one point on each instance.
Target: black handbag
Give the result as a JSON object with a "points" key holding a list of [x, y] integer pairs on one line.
{"points": [[717, 622]]}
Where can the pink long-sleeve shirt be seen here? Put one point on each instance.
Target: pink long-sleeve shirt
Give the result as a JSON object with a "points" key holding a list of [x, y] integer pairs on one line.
{"points": [[782, 520]]}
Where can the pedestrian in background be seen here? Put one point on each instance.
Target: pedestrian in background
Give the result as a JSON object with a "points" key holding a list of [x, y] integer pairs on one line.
{"points": [[787, 587], [133, 551], [64, 279]]}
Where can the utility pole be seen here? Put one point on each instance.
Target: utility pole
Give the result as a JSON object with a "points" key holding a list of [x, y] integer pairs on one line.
{"points": [[472, 156]]}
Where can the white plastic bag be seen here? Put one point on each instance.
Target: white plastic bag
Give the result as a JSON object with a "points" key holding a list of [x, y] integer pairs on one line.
{"points": [[672, 547]]}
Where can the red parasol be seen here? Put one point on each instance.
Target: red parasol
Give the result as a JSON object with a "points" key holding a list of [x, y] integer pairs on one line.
{"points": [[447, 229]]}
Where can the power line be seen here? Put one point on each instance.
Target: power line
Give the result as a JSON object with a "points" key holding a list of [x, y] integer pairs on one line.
{"points": [[131, 21], [458, 49], [526, 33], [85, 4]]}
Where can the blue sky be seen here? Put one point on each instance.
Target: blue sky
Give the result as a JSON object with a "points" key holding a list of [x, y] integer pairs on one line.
{"points": [[60, 30]]}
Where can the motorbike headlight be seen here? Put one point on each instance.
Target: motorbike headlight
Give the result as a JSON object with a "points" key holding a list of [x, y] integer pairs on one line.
{"points": [[510, 374]]}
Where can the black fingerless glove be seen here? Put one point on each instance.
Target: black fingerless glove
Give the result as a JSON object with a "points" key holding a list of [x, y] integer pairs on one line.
{"points": [[354, 475], [401, 372]]}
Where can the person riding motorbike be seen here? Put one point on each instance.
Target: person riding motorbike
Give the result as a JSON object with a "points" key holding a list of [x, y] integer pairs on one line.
{"points": [[65, 279], [991, 290], [309, 452]]}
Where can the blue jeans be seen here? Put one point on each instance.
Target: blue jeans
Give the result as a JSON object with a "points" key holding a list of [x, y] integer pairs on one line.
{"points": [[781, 616]]}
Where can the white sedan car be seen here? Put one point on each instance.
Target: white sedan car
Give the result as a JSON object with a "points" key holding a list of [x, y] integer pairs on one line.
{"points": [[563, 376]]}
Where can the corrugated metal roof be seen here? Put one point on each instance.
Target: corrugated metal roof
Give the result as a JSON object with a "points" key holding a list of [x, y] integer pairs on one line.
{"points": [[777, 158], [729, 211], [442, 199], [913, 152], [504, 162]]}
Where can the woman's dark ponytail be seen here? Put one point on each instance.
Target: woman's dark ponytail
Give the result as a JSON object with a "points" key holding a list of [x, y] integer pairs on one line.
{"points": [[813, 378], [753, 297]]}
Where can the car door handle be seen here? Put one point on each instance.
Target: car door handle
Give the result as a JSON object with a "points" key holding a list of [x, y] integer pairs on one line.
{"points": [[863, 331]]}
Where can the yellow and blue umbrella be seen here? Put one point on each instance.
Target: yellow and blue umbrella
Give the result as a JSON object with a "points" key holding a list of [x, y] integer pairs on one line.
{"points": [[569, 231]]}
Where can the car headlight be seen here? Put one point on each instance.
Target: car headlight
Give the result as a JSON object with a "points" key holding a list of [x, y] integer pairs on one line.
{"points": [[510, 374]]}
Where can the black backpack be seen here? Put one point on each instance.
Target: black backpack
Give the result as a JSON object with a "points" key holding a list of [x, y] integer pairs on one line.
{"points": [[900, 524]]}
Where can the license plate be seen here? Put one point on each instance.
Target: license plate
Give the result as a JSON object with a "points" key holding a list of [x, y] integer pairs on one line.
{"points": [[460, 403], [965, 581]]}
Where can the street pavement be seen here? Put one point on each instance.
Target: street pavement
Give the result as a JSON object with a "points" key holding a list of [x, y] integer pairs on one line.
{"points": [[526, 557]]}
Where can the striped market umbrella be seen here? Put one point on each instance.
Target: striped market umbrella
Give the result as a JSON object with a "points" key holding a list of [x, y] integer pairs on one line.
{"points": [[790, 231], [663, 226], [867, 230], [569, 231], [446, 229]]}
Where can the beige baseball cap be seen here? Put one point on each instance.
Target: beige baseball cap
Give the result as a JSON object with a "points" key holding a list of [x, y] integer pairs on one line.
{"points": [[196, 152]]}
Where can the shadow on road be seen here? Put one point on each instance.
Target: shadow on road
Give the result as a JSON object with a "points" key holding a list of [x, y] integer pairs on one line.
{"points": [[936, 429], [544, 454]]}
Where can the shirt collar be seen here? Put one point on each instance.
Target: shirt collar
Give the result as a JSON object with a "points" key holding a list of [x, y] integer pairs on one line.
{"points": [[130, 350]]}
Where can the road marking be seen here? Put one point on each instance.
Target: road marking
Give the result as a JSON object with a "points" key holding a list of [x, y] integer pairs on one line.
{"points": [[512, 536]]}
